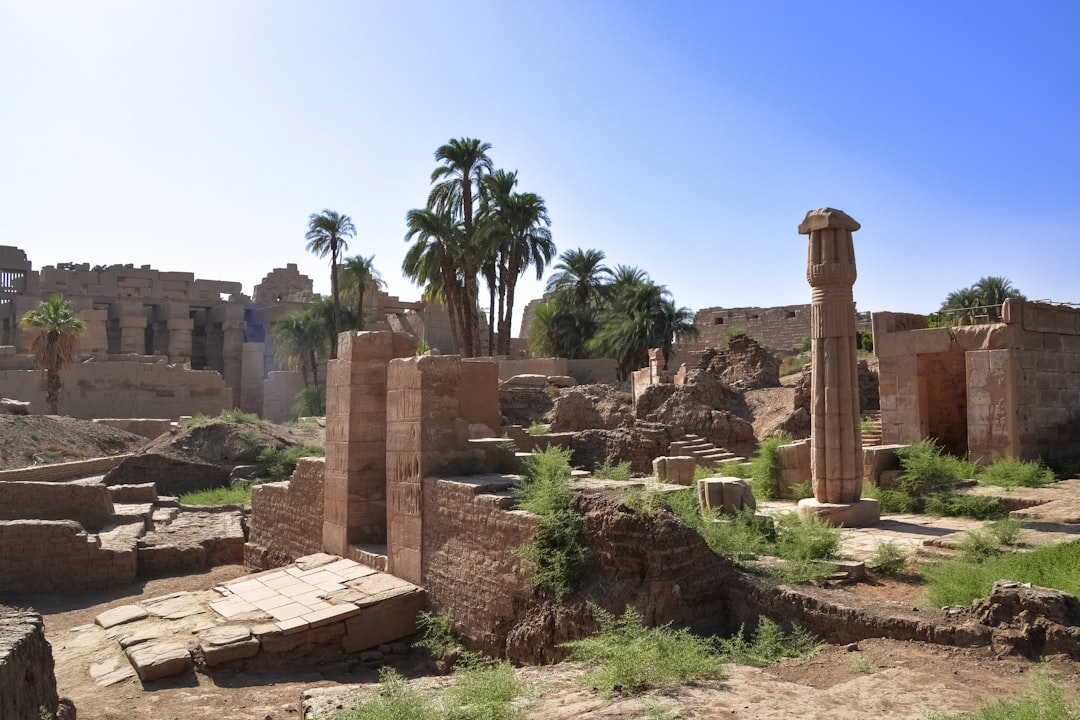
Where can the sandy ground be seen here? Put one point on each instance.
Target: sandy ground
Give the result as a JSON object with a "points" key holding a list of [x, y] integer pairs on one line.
{"points": [[879, 678]]}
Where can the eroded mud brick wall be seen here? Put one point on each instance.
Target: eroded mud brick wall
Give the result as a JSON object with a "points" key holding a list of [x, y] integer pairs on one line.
{"points": [[86, 502], [57, 555], [27, 682], [286, 518]]}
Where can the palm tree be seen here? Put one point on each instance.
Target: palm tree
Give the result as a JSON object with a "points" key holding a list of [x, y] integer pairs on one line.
{"points": [[300, 339], [519, 226], [993, 291], [433, 261], [561, 330], [580, 276], [327, 233], [364, 278], [464, 164], [960, 306], [56, 344]]}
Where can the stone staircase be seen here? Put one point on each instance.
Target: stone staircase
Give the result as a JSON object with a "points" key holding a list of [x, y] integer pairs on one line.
{"points": [[873, 437], [703, 451]]}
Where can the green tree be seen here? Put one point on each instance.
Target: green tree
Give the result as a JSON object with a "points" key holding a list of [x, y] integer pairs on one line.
{"points": [[300, 340], [561, 330], [519, 236], [983, 299], [433, 261], [363, 278], [327, 235], [456, 192], [56, 344], [580, 277]]}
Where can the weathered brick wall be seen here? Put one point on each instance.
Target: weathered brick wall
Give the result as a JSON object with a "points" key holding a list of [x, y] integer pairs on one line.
{"points": [[656, 564], [27, 682], [147, 427], [63, 471], [58, 556], [86, 502], [1047, 379], [118, 388], [286, 518], [777, 328]]}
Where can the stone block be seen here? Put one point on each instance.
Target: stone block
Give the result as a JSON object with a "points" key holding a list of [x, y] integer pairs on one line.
{"points": [[157, 660], [389, 620], [726, 495], [120, 616], [227, 643], [861, 513]]}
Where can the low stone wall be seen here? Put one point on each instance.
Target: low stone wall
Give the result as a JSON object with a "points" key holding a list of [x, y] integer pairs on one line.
{"points": [[27, 682], [286, 518], [656, 564], [86, 502], [63, 471], [57, 555], [147, 427]]}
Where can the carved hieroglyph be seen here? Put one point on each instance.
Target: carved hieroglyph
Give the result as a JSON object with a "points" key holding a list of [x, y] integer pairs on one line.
{"points": [[835, 434]]}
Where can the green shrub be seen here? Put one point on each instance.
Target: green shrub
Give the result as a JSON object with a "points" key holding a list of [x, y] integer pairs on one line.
{"points": [[1067, 468], [808, 538], [436, 633], [769, 645], [1005, 531], [802, 491], [239, 417], [627, 657], [927, 469], [646, 498], [1044, 700], [613, 471], [279, 463], [236, 494], [977, 546], [958, 581], [887, 559], [861, 666], [793, 364], [557, 554], [481, 691], [1009, 472], [310, 401], [196, 420], [766, 472], [976, 507], [538, 428], [869, 426]]}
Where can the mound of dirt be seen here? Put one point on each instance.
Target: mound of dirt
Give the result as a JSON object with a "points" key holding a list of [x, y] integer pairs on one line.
{"points": [[38, 439], [203, 456]]}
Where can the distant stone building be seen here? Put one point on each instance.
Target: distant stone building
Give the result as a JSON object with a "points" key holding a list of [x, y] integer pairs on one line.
{"points": [[777, 328]]}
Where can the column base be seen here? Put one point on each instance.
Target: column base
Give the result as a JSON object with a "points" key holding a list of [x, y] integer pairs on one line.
{"points": [[861, 513]]}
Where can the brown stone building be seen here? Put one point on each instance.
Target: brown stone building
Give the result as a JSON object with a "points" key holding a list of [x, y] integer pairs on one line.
{"points": [[1008, 389]]}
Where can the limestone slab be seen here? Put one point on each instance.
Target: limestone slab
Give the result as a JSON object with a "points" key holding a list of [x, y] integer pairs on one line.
{"points": [[157, 660], [120, 615]]}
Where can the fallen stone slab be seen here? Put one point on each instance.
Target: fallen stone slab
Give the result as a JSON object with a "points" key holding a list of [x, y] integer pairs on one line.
{"points": [[227, 643], [157, 660], [120, 615], [14, 407]]}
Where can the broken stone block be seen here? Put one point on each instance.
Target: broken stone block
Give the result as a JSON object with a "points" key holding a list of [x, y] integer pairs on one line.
{"points": [[677, 469], [726, 495], [226, 643], [156, 660], [561, 381], [120, 615]]}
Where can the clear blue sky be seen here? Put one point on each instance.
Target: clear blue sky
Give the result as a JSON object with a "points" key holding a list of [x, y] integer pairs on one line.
{"points": [[687, 138]]}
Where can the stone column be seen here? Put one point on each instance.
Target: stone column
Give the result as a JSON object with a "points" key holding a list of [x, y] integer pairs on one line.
{"points": [[836, 465]]}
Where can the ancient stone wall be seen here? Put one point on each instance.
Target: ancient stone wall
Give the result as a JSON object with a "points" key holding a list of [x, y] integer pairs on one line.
{"points": [[86, 502], [279, 395], [124, 388], [58, 556], [286, 518], [147, 427], [777, 328], [27, 682], [63, 471]]}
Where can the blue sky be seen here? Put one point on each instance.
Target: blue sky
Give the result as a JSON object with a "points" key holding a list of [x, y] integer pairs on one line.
{"points": [[687, 138]]}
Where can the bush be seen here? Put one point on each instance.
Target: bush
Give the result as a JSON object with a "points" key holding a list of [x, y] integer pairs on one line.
{"points": [[769, 645], [436, 633], [1067, 468], [977, 546], [627, 657], [887, 559], [538, 428], [1044, 700], [1009, 472], [236, 494], [612, 471], [310, 401], [766, 472], [1005, 531], [928, 470], [958, 581], [809, 538], [279, 463], [976, 507], [557, 554]]}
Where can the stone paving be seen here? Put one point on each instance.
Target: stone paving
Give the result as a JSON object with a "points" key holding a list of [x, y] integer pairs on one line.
{"points": [[321, 601]]}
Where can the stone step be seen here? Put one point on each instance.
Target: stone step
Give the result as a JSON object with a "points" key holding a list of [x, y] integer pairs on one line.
{"points": [[134, 512]]}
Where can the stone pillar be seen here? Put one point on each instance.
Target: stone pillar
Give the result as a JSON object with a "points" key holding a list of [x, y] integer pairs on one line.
{"points": [[251, 377], [836, 466], [354, 495], [127, 327]]}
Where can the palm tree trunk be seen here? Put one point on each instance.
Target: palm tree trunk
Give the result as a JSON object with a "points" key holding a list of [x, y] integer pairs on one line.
{"points": [[492, 320], [52, 390], [337, 302], [360, 307], [314, 369], [506, 316]]}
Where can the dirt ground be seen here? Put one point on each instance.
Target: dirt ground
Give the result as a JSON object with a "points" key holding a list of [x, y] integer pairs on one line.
{"points": [[36, 439], [878, 678]]}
